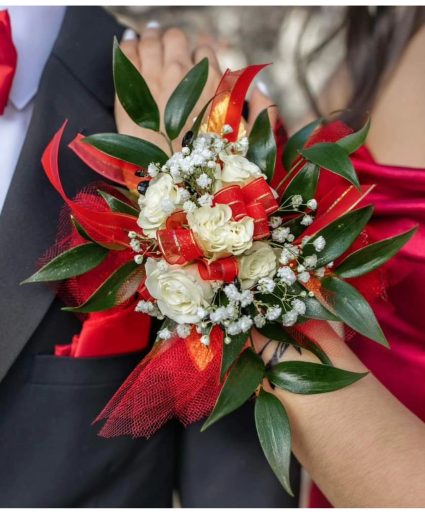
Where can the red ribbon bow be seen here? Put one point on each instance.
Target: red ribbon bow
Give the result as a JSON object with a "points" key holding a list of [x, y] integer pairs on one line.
{"points": [[8, 59], [255, 200]]}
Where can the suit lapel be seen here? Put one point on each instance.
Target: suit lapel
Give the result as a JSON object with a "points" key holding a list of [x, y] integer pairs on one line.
{"points": [[76, 85]]}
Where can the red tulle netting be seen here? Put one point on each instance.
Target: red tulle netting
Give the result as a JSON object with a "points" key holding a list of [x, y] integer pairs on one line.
{"points": [[77, 290], [177, 379]]}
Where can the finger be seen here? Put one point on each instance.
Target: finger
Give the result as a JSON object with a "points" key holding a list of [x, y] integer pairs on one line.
{"points": [[176, 48], [151, 50], [259, 101], [206, 51], [129, 47]]}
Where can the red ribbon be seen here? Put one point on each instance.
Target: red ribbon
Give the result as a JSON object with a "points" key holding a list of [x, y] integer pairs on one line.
{"points": [[112, 227], [178, 246], [259, 191], [221, 270], [258, 213], [144, 292], [236, 85], [255, 200], [114, 169], [8, 59], [233, 197]]}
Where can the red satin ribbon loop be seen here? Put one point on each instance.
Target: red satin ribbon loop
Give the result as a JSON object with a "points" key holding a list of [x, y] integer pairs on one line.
{"points": [[259, 191], [232, 89], [233, 197], [178, 246], [110, 167], [113, 227], [144, 292], [176, 221], [221, 270], [257, 211]]}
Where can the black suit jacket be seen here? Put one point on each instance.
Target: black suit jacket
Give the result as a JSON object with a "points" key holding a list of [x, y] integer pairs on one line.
{"points": [[50, 455], [76, 85]]}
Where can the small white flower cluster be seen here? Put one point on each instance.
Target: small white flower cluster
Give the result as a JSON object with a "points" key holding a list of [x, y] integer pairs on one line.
{"points": [[293, 203], [197, 165], [265, 290]]}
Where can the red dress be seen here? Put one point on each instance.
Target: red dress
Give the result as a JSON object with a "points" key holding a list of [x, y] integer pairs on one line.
{"points": [[399, 199]]}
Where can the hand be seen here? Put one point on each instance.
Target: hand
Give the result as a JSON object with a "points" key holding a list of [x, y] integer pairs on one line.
{"points": [[163, 60]]}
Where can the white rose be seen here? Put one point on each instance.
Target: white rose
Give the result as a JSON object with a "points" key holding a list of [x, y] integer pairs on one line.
{"points": [[179, 292], [152, 216], [256, 263], [238, 169], [217, 234]]}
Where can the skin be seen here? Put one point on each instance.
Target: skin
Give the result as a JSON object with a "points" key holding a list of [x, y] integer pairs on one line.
{"points": [[360, 445], [164, 58]]}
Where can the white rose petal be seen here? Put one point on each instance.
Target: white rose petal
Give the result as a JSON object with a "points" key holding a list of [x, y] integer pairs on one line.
{"points": [[238, 169], [152, 216], [179, 292], [217, 234], [256, 263]]}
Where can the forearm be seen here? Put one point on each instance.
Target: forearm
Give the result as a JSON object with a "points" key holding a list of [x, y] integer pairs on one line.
{"points": [[360, 445]]}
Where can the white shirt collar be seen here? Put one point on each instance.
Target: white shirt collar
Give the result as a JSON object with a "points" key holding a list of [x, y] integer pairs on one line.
{"points": [[34, 31]]}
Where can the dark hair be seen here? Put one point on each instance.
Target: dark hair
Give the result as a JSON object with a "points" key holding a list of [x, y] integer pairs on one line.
{"points": [[375, 40]]}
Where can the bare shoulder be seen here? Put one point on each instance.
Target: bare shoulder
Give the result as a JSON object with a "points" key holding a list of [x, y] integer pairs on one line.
{"points": [[399, 111]]}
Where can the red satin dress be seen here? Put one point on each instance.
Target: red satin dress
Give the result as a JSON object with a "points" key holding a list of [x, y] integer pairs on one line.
{"points": [[399, 199]]}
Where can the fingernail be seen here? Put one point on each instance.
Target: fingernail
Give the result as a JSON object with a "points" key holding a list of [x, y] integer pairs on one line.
{"points": [[262, 86], [153, 25], [129, 35]]}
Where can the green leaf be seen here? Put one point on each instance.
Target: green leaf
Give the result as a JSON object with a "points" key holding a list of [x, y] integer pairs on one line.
{"points": [[131, 195], [73, 262], [118, 206], [133, 92], [83, 233], [80, 229], [304, 183], [276, 332], [314, 308], [184, 99], [198, 122], [231, 351], [339, 235], [353, 309], [373, 256], [296, 142], [354, 141], [243, 379], [115, 290], [310, 378], [262, 145], [274, 433], [128, 148], [333, 158]]}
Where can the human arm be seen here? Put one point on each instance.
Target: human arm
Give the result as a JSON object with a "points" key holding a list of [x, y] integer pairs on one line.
{"points": [[360, 445]]}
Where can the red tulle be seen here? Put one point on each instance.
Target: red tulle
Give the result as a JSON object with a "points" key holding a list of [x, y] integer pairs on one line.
{"points": [[178, 379]]}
